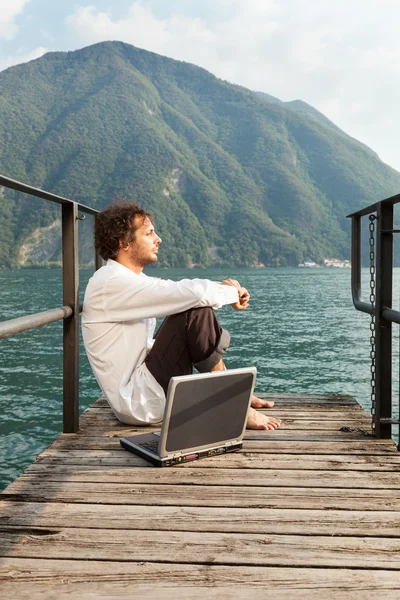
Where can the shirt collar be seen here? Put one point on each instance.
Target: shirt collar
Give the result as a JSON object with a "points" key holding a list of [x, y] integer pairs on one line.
{"points": [[116, 266]]}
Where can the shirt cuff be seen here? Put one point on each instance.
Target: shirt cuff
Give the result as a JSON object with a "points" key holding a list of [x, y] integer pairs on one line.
{"points": [[229, 293]]}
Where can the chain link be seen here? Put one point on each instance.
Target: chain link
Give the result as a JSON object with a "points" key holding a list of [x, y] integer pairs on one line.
{"points": [[372, 327]]}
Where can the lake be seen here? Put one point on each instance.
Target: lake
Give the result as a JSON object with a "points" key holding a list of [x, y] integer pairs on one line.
{"points": [[301, 331]]}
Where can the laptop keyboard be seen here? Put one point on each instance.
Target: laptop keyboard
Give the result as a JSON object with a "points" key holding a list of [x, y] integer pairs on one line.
{"points": [[152, 446]]}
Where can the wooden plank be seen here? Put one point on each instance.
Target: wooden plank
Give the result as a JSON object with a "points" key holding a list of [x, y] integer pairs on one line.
{"points": [[323, 415], [102, 579], [205, 495], [38, 591], [281, 434], [83, 459], [44, 474], [295, 398], [300, 396], [168, 518], [100, 420], [351, 409], [290, 413], [316, 411], [107, 425], [202, 548], [309, 401], [121, 590], [364, 446], [278, 434]]}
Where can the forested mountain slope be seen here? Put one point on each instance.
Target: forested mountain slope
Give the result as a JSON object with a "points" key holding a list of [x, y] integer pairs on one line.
{"points": [[218, 165]]}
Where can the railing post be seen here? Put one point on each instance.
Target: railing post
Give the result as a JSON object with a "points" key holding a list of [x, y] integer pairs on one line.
{"points": [[356, 255], [71, 325], [98, 261], [383, 342]]}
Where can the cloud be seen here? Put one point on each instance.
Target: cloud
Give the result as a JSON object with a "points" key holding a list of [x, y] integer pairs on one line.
{"points": [[19, 58], [139, 27], [342, 57], [9, 10], [182, 37]]}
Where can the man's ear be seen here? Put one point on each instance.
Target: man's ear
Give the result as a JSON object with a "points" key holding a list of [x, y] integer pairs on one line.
{"points": [[122, 246]]}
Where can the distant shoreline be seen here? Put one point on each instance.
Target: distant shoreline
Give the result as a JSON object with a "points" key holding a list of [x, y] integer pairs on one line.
{"points": [[195, 269]]}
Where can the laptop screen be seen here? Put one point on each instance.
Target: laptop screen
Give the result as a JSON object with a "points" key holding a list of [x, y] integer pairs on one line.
{"points": [[208, 411]]}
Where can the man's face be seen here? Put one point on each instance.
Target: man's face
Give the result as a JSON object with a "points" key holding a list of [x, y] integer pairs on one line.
{"points": [[144, 248]]}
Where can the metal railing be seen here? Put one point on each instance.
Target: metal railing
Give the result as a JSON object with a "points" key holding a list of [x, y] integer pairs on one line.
{"points": [[69, 312], [380, 306]]}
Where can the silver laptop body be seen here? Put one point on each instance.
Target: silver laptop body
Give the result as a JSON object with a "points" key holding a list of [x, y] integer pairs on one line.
{"points": [[205, 415]]}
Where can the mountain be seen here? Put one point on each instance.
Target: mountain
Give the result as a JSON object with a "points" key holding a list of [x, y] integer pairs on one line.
{"points": [[219, 166]]}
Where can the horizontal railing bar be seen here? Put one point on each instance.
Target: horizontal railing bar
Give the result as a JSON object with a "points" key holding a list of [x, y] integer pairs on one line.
{"points": [[390, 231], [387, 313], [391, 315], [373, 207], [20, 324], [27, 189], [364, 211]]}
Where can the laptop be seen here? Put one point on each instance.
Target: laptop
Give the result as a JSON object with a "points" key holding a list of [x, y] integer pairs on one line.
{"points": [[205, 415]]}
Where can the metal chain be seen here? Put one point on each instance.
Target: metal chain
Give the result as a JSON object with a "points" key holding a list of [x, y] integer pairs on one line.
{"points": [[372, 298]]}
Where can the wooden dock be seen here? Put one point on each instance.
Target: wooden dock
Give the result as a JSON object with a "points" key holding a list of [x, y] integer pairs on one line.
{"points": [[307, 511]]}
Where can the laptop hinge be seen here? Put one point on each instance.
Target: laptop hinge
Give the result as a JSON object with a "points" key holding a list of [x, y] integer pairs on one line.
{"points": [[232, 443]]}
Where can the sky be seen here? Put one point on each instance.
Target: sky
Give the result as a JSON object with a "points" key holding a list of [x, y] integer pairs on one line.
{"points": [[341, 57]]}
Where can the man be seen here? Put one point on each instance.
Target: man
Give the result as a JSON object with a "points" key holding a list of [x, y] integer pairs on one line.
{"points": [[120, 307]]}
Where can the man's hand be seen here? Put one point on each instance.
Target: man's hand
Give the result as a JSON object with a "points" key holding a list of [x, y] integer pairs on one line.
{"points": [[244, 298], [244, 295]]}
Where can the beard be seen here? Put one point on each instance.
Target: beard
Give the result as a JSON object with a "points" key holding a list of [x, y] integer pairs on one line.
{"points": [[141, 258]]}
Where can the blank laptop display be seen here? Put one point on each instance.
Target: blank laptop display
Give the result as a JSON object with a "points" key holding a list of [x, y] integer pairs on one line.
{"points": [[205, 415]]}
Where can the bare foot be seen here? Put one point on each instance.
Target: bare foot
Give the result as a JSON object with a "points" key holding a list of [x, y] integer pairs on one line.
{"points": [[257, 420], [258, 403]]}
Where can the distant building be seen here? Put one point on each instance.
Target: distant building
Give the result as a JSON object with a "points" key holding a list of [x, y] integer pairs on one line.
{"points": [[328, 262], [337, 263], [308, 263]]}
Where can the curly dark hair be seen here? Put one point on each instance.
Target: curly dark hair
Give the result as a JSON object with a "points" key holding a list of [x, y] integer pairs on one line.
{"points": [[114, 225]]}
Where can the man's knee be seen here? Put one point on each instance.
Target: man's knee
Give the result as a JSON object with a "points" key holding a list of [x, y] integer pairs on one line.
{"points": [[199, 331], [206, 338], [202, 314], [216, 355]]}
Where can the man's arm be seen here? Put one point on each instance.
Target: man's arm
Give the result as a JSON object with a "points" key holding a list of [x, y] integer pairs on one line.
{"points": [[124, 299]]}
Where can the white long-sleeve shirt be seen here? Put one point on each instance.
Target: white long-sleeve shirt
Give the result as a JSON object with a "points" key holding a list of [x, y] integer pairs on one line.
{"points": [[118, 322]]}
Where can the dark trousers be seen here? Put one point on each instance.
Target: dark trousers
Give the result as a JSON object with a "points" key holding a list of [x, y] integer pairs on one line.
{"points": [[190, 338]]}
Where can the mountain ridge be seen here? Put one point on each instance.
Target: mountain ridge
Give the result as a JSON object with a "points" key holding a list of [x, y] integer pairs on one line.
{"points": [[217, 164]]}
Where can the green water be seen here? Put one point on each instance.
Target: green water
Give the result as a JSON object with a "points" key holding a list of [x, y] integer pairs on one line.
{"points": [[300, 331]]}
